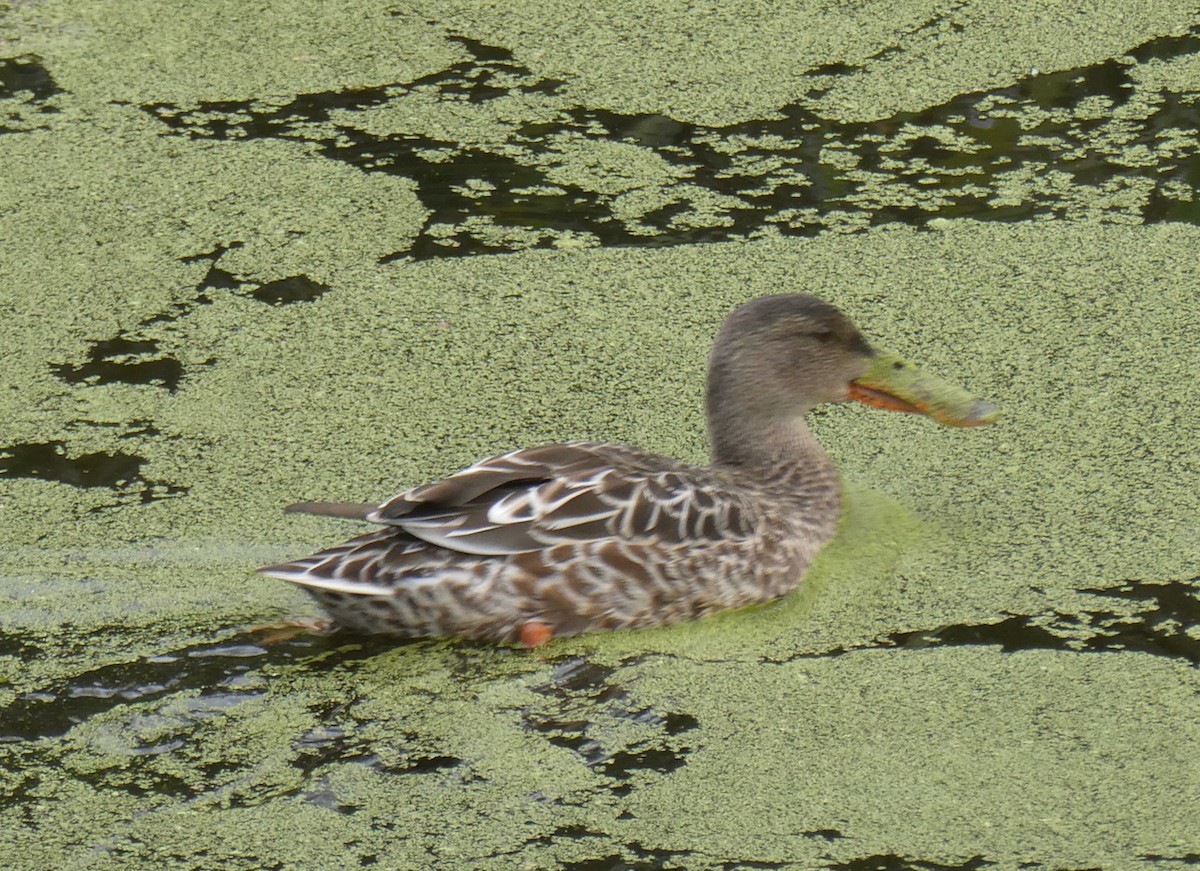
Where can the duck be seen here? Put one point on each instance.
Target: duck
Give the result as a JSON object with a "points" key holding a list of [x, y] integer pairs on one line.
{"points": [[553, 541]]}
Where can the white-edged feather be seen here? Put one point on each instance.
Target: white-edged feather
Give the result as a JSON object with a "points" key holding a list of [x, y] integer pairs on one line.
{"points": [[337, 585]]}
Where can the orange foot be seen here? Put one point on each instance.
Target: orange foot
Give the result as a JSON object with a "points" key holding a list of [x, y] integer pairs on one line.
{"points": [[535, 633], [286, 630]]}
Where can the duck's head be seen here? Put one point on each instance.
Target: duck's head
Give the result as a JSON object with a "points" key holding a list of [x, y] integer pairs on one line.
{"points": [[777, 357]]}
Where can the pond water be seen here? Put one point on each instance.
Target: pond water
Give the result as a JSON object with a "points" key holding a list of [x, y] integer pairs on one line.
{"points": [[230, 284]]}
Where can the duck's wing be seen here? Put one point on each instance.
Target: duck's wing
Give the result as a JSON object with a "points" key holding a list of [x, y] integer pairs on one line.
{"points": [[571, 493]]}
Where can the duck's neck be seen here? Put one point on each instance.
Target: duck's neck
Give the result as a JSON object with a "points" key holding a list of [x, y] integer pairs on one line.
{"points": [[770, 445]]}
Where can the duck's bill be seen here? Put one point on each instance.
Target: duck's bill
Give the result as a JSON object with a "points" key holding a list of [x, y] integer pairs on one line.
{"points": [[897, 385]]}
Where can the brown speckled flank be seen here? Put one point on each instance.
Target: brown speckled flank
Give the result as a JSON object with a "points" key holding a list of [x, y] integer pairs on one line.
{"points": [[561, 539]]}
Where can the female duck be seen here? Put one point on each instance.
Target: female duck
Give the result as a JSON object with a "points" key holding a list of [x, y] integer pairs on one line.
{"points": [[557, 540]]}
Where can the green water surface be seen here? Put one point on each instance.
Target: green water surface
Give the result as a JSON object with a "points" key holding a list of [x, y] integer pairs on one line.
{"points": [[256, 254]]}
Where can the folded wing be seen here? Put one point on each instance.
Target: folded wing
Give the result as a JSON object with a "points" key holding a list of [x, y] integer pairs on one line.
{"points": [[537, 498]]}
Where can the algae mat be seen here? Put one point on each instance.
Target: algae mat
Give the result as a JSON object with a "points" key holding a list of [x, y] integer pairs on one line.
{"points": [[328, 251]]}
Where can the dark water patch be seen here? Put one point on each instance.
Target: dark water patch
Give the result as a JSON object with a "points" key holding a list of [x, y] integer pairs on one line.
{"points": [[1185, 859], [151, 754], [660, 758], [137, 428], [115, 470], [609, 862], [624, 764], [18, 790], [24, 793], [634, 856], [406, 753], [217, 279], [982, 155], [49, 461], [1167, 47], [26, 91], [535, 213], [123, 360], [321, 746], [417, 762], [214, 255], [837, 68], [584, 697], [827, 835], [285, 291], [620, 862], [250, 119], [24, 77], [620, 857], [1166, 623], [135, 356], [892, 862], [323, 796], [142, 782], [581, 676], [474, 80], [478, 49], [11, 644], [567, 833], [167, 704], [489, 73], [54, 710], [569, 683], [163, 750], [1018, 632], [327, 747]]}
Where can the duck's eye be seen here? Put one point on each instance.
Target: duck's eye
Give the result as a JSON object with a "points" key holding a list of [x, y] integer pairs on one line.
{"points": [[825, 336]]}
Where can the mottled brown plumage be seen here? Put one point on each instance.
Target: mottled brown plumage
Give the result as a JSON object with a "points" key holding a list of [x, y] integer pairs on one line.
{"points": [[556, 540]]}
